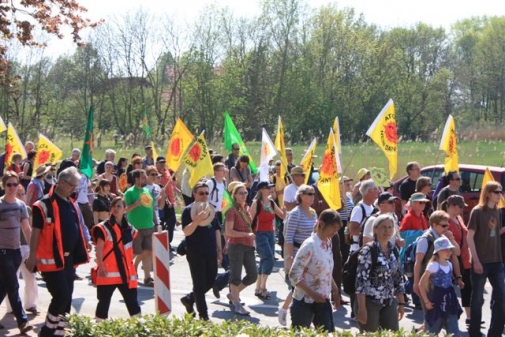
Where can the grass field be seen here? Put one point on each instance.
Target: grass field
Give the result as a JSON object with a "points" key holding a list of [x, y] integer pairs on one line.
{"points": [[353, 157]]}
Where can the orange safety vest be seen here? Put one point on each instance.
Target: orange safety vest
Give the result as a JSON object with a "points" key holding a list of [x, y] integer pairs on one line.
{"points": [[50, 255], [111, 263]]}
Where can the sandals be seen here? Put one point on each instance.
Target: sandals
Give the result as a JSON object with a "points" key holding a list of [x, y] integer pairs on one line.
{"points": [[262, 294], [149, 282]]}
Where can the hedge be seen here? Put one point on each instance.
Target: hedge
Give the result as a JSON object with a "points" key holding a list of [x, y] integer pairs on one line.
{"points": [[187, 326]]}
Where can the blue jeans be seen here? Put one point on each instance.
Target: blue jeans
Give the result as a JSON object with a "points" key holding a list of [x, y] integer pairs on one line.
{"points": [[321, 314], [496, 274], [265, 245], [10, 260], [450, 324]]}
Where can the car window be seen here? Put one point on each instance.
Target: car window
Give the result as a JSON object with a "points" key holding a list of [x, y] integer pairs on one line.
{"points": [[471, 181], [434, 174]]}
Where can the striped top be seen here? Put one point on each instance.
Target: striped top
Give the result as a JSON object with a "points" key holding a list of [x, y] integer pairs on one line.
{"points": [[348, 206], [298, 227]]}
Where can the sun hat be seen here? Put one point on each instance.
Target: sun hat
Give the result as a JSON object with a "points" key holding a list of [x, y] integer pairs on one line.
{"points": [[442, 243], [41, 170], [297, 170], [418, 197], [199, 206], [362, 172]]}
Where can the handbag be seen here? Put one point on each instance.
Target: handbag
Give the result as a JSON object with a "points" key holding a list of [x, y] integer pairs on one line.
{"points": [[182, 248]]}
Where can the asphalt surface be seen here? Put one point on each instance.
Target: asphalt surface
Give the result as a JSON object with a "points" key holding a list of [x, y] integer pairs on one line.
{"points": [[261, 312]]}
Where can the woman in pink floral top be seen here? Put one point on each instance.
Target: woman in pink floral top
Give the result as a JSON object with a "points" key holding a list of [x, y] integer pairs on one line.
{"points": [[311, 273]]}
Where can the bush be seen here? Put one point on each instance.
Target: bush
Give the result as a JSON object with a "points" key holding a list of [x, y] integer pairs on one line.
{"points": [[187, 326]]}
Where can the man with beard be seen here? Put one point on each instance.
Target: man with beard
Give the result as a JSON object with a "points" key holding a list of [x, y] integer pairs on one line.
{"points": [[140, 210]]}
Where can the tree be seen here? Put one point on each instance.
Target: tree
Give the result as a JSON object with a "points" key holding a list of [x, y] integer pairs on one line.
{"points": [[19, 22]]}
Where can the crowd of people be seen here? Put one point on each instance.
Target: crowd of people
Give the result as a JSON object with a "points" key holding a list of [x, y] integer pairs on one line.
{"points": [[423, 253]]}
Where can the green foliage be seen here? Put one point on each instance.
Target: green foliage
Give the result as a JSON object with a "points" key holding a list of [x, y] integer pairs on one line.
{"points": [[307, 66], [187, 326]]}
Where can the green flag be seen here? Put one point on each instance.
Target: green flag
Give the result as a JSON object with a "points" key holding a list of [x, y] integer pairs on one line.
{"points": [[86, 162], [231, 136], [145, 124], [226, 204]]}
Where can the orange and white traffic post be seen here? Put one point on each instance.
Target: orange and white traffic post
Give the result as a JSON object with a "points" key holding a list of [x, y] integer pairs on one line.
{"points": [[161, 262]]}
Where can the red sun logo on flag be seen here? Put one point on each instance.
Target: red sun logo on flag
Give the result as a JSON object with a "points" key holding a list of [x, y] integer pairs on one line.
{"points": [[452, 144], [326, 165], [390, 132], [8, 151], [175, 147], [43, 156], [195, 152]]}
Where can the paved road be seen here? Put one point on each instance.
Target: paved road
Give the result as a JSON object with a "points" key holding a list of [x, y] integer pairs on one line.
{"points": [[262, 312]]}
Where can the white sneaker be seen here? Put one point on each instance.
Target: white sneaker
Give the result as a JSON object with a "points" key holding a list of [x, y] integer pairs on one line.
{"points": [[240, 310], [282, 315]]}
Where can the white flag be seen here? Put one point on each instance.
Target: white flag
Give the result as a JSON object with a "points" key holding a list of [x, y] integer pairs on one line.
{"points": [[268, 152]]}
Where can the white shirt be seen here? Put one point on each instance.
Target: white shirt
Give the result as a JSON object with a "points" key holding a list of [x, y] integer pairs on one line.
{"points": [[368, 230], [216, 198], [357, 216], [82, 190], [290, 193], [155, 191]]}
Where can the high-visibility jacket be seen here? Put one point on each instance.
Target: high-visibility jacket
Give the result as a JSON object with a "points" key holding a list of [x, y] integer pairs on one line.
{"points": [[50, 255], [111, 261]]}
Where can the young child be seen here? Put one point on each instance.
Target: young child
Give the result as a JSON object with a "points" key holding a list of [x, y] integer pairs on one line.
{"points": [[442, 306]]}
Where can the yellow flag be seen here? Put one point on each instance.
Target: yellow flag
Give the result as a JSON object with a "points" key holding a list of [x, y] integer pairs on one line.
{"points": [[308, 159], [198, 161], [448, 145], [13, 145], [336, 133], [328, 183], [281, 147], [488, 176], [2, 125], [47, 152], [179, 143], [155, 153], [383, 133]]}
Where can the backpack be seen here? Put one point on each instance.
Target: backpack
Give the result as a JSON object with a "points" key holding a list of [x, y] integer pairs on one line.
{"points": [[349, 271], [214, 193], [363, 221], [411, 251]]}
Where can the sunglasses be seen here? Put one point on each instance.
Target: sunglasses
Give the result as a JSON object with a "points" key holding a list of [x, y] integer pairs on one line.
{"points": [[457, 179], [445, 225], [203, 193], [277, 164], [154, 174], [12, 184], [243, 193], [498, 192], [311, 194]]}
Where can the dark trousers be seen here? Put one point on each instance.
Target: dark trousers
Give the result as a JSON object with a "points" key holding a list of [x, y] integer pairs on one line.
{"points": [[494, 272], [60, 285], [344, 247], [203, 270], [320, 314], [10, 260], [169, 220], [104, 295]]}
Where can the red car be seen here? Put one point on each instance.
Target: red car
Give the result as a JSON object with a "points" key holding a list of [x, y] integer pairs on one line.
{"points": [[471, 182]]}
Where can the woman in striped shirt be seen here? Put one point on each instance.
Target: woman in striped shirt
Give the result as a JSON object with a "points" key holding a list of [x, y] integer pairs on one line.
{"points": [[298, 227]]}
